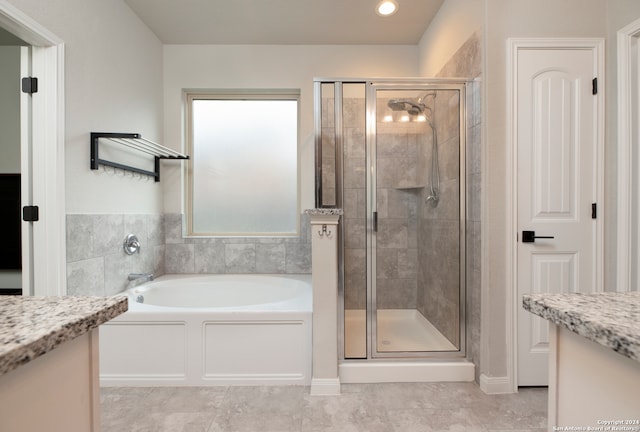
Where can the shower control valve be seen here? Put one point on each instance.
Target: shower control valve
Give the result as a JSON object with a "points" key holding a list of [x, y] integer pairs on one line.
{"points": [[131, 245]]}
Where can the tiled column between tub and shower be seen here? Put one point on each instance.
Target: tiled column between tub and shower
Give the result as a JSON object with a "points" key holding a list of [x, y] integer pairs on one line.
{"points": [[401, 184]]}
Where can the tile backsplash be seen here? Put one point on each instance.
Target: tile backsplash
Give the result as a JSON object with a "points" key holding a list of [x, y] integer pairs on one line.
{"points": [[270, 255], [97, 264]]}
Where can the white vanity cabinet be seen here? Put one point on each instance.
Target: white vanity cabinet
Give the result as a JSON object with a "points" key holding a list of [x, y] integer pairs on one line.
{"points": [[591, 385], [594, 359], [49, 362]]}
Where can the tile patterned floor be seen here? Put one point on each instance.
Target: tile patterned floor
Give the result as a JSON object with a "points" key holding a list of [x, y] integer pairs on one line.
{"points": [[401, 407]]}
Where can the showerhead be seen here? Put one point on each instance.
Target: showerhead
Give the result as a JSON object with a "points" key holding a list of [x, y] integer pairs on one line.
{"points": [[409, 106]]}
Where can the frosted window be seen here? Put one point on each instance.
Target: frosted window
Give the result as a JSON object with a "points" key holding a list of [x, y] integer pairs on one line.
{"points": [[244, 167]]}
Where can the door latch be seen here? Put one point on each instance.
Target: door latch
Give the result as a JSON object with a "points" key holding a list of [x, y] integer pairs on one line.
{"points": [[530, 237]]}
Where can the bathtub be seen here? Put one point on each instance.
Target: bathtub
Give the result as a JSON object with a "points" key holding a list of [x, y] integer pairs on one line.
{"points": [[199, 330]]}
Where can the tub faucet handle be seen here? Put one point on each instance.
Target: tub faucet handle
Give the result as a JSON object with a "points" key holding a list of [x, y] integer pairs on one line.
{"points": [[131, 245]]}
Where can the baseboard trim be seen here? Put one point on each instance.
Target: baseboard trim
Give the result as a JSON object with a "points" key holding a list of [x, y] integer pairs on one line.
{"points": [[381, 372], [325, 387], [495, 385]]}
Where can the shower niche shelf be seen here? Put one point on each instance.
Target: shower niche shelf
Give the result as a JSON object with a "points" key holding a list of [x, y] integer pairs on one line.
{"points": [[136, 142]]}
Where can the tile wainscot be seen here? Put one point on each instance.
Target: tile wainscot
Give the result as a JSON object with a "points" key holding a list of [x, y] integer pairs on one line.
{"points": [[49, 361], [594, 359]]}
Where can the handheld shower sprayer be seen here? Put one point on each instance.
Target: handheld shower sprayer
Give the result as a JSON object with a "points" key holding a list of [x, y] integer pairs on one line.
{"points": [[421, 107]]}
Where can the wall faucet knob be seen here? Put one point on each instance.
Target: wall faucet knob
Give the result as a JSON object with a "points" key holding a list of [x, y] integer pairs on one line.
{"points": [[131, 245]]}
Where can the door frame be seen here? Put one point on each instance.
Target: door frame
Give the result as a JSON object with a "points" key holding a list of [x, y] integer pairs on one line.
{"points": [[47, 253], [628, 255], [514, 46]]}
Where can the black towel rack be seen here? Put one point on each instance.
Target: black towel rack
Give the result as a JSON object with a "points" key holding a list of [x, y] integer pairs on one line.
{"points": [[136, 142]]}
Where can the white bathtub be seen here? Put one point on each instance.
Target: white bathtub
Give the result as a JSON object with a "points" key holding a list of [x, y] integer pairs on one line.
{"points": [[196, 330]]}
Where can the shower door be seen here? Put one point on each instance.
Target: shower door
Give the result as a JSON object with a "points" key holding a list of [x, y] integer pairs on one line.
{"points": [[417, 212], [391, 155]]}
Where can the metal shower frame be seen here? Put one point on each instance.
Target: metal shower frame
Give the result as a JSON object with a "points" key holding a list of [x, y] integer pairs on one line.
{"points": [[371, 87]]}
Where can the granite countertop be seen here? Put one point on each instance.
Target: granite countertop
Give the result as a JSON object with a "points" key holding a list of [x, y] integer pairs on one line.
{"points": [[610, 319], [33, 326], [324, 212]]}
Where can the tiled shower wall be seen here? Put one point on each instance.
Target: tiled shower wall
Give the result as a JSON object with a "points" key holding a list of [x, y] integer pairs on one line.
{"points": [[97, 264], [467, 62], [401, 172], [397, 173], [438, 287]]}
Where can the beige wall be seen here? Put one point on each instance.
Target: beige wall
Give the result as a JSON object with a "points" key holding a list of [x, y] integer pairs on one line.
{"points": [[10, 109], [454, 24], [113, 79], [269, 67], [10, 131]]}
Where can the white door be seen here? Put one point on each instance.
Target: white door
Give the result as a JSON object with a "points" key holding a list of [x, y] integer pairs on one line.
{"points": [[557, 148]]}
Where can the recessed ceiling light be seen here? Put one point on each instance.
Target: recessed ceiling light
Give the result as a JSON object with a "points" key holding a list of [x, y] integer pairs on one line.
{"points": [[387, 7]]}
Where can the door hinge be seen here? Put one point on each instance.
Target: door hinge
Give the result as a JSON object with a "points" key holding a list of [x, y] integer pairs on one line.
{"points": [[30, 213], [594, 211], [594, 86], [375, 221], [29, 85]]}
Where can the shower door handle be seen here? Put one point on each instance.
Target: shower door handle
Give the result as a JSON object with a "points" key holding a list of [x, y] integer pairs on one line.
{"points": [[375, 221]]}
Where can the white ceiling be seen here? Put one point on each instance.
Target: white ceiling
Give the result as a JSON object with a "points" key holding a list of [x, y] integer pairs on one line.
{"points": [[306, 22]]}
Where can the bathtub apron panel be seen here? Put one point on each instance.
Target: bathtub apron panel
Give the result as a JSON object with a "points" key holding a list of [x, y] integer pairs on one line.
{"points": [[266, 341]]}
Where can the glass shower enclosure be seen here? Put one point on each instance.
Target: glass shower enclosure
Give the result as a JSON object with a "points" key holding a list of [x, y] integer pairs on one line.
{"points": [[391, 155]]}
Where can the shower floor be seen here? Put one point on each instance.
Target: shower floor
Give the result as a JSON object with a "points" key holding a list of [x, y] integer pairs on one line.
{"points": [[398, 330]]}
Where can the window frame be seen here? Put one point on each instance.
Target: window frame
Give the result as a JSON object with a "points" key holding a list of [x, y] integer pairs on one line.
{"points": [[233, 94]]}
